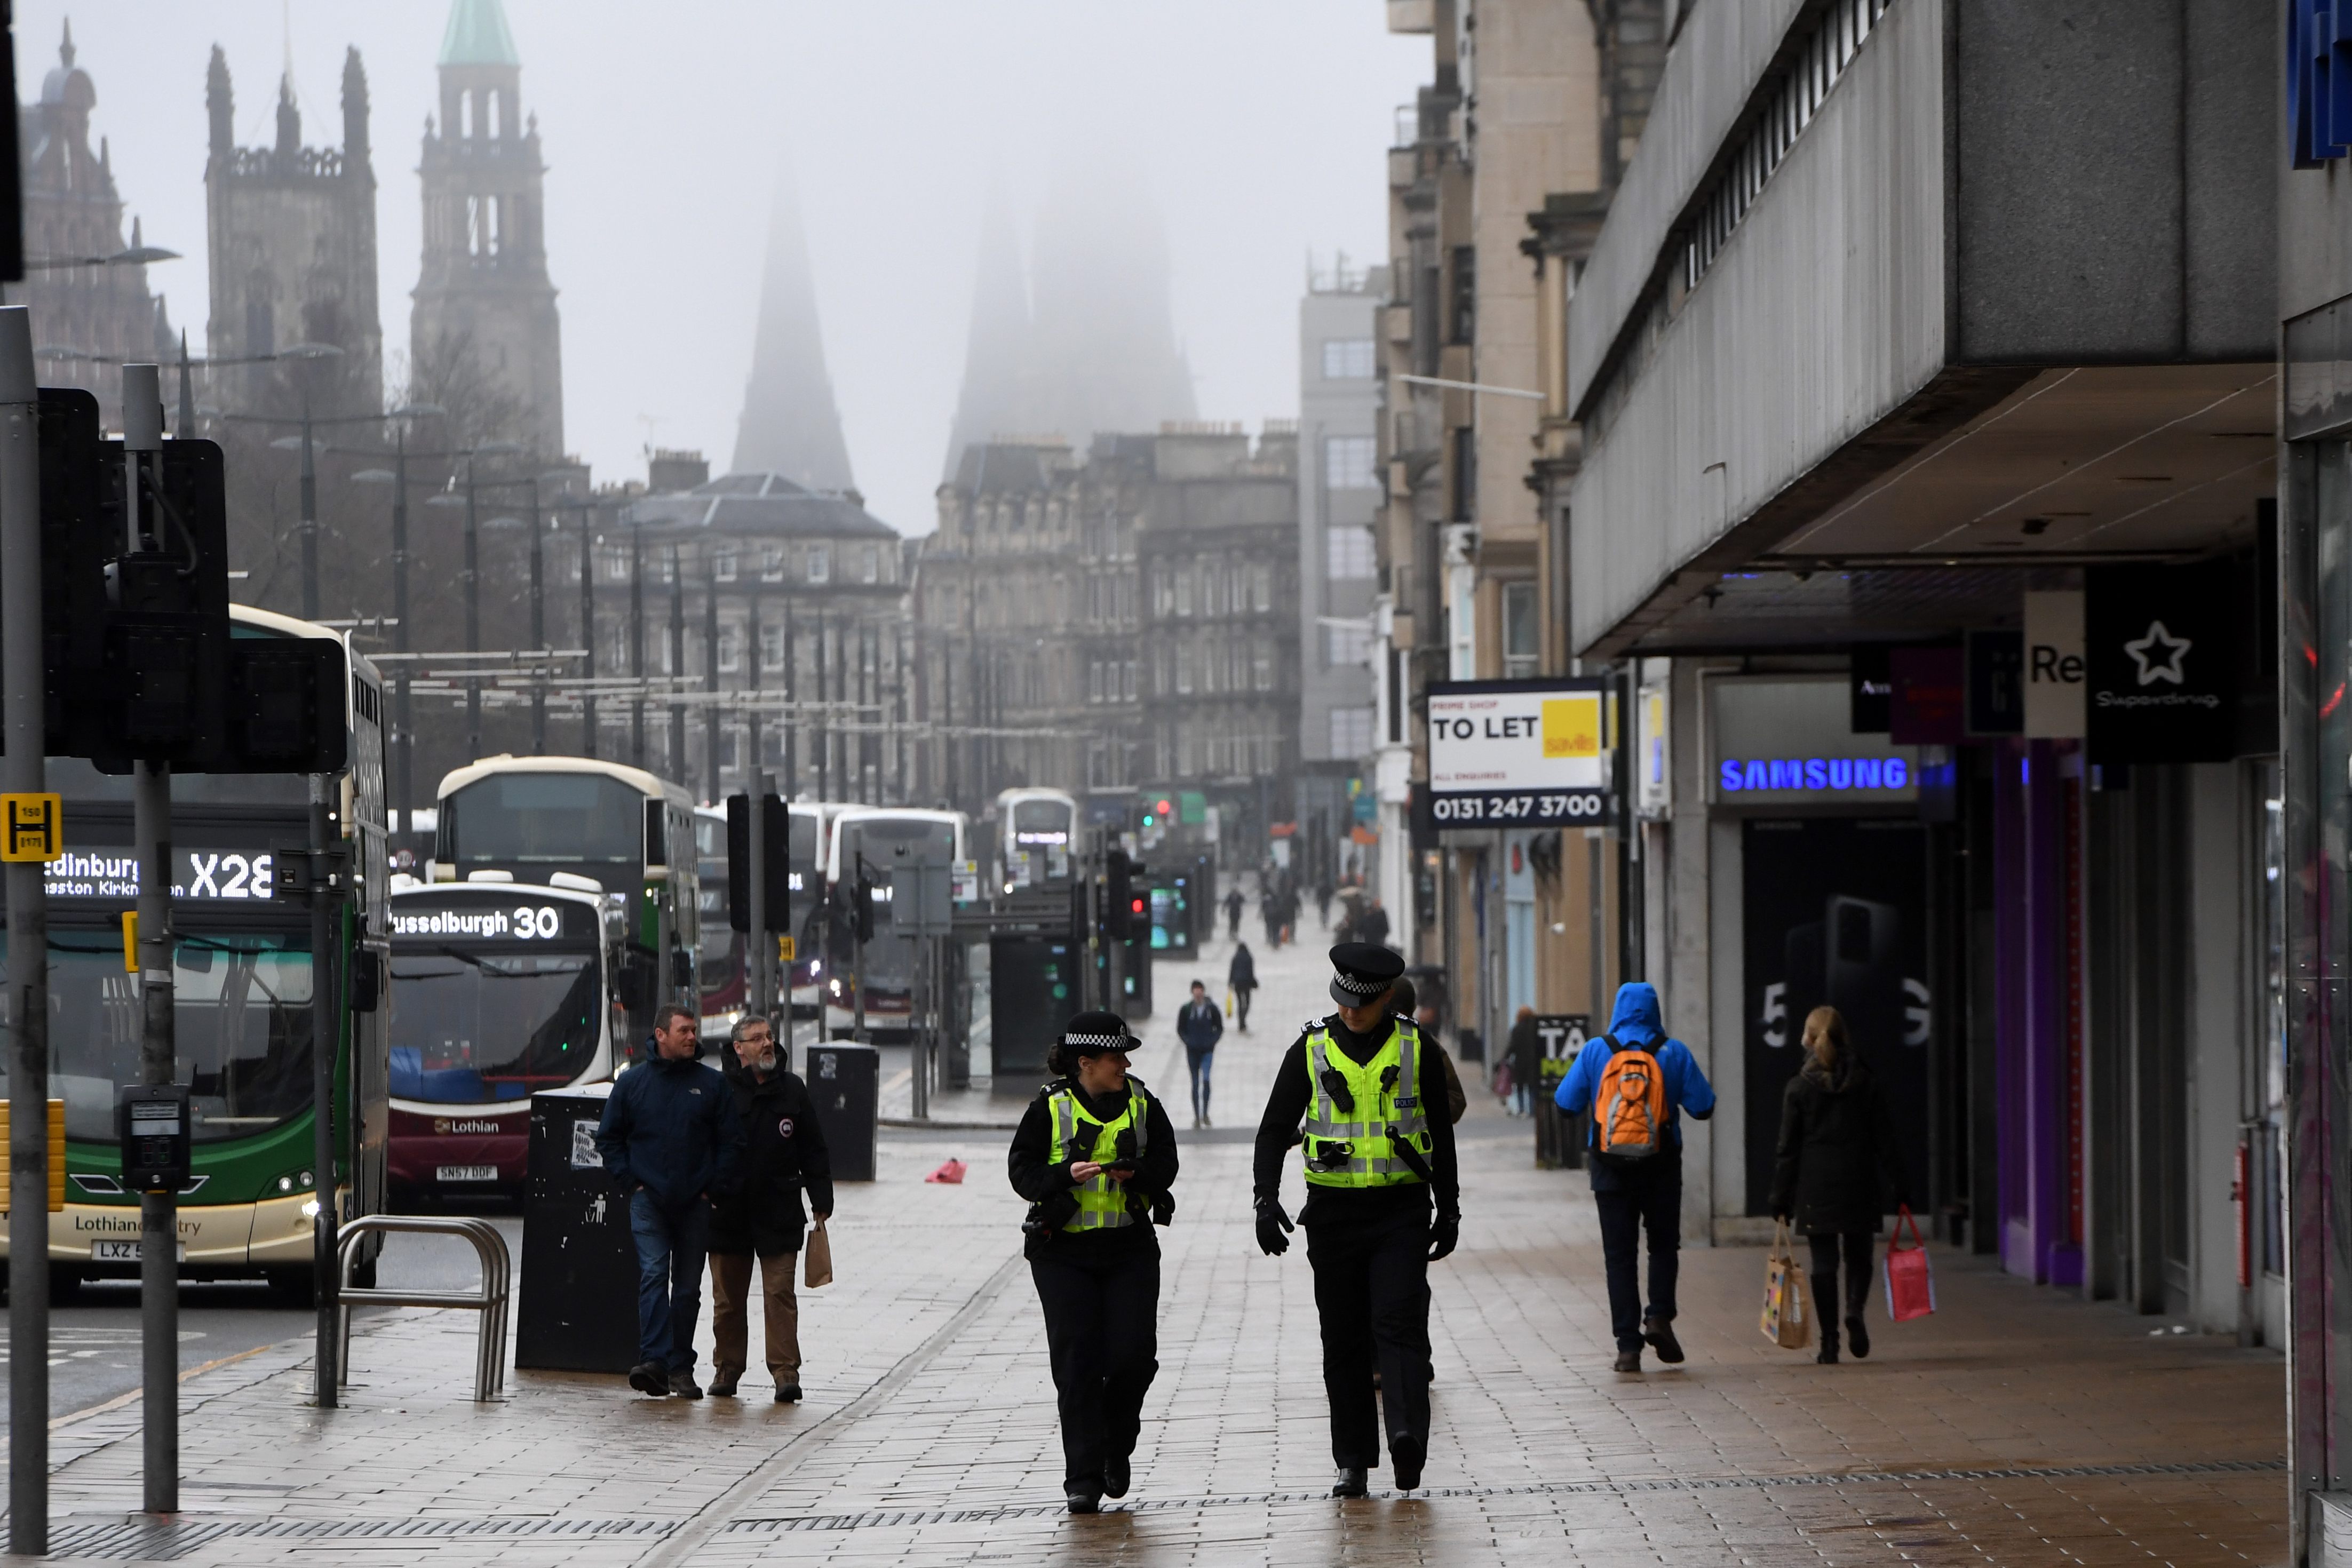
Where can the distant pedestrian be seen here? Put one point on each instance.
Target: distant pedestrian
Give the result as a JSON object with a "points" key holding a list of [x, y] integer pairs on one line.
{"points": [[1524, 1052], [1372, 925], [1269, 909], [1234, 904], [1323, 903], [671, 1138], [1837, 1159], [783, 1151], [1096, 1158], [1241, 978], [1637, 1191], [1200, 1026]]}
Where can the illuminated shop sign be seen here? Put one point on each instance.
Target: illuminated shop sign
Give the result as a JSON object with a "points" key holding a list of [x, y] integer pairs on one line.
{"points": [[1814, 775]]}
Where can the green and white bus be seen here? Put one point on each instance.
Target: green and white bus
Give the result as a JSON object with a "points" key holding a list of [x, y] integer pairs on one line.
{"points": [[244, 974]]}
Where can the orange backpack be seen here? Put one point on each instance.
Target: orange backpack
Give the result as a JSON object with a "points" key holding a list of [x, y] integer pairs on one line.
{"points": [[1629, 1106]]}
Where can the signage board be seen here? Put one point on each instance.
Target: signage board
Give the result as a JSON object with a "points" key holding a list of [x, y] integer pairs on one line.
{"points": [[1517, 753], [506, 914], [1653, 779], [2055, 666], [1789, 740], [2161, 665]]}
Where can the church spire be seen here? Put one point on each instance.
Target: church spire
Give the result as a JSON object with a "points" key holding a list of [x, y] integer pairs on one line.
{"points": [[997, 398], [789, 424]]}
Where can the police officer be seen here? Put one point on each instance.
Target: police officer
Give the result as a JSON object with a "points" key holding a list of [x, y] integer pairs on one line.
{"points": [[1382, 1204], [1095, 1156]]}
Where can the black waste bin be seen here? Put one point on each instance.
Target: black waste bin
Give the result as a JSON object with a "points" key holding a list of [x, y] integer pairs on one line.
{"points": [[845, 1080], [579, 1284]]}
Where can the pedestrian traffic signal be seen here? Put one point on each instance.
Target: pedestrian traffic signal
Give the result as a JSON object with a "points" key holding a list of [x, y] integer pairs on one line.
{"points": [[775, 849], [1118, 895], [862, 918]]}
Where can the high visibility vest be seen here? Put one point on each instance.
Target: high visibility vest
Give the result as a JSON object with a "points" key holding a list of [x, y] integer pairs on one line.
{"points": [[1359, 1147], [1102, 1202]]}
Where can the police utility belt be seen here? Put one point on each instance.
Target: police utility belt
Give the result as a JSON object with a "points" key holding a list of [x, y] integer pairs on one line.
{"points": [[1364, 1121]]}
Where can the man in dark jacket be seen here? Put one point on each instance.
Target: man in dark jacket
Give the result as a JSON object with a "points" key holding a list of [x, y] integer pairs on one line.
{"points": [[1200, 1026], [671, 1138], [784, 1151]]}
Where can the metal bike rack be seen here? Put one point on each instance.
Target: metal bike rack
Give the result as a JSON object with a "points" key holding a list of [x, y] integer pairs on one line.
{"points": [[489, 1355]]}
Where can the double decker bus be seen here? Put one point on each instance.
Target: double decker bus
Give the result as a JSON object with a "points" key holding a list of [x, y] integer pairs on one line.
{"points": [[725, 973], [890, 960], [500, 989], [243, 975], [626, 831], [1036, 839]]}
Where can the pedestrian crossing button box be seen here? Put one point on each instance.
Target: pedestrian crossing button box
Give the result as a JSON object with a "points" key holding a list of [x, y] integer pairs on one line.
{"points": [[151, 1121]]}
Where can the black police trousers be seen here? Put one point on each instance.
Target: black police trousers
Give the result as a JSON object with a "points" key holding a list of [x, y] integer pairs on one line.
{"points": [[1370, 1256], [1101, 1297]]}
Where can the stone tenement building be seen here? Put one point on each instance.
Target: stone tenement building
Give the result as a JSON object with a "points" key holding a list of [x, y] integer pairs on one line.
{"points": [[485, 333], [87, 320], [291, 232], [1124, 622]]}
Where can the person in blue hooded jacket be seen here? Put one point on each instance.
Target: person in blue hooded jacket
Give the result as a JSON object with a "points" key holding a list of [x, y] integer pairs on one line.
{"points": [[673, 1140], [1636, 1194]]}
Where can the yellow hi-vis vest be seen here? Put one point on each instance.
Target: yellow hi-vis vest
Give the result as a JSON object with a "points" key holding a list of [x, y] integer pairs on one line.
{"points": [[1102, 1202], [1358, 1147]]}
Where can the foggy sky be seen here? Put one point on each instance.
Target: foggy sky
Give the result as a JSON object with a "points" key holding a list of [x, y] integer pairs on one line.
{"points": [[1257, 127]]}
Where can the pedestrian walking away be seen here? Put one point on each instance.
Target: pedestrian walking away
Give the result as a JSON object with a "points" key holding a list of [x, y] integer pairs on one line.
{"points": [[670, 1137], [1241, 978], [1524, 1052], [1835, 1160], [1383, 1203], [784, 1153], [1323, 903], [1634, 1083], [1200, 1026], [1372, 926], [1096, 1158], [1234, 904]]}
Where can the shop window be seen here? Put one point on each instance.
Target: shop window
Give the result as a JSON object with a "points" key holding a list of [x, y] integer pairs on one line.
{"points": [[1521, 652]]}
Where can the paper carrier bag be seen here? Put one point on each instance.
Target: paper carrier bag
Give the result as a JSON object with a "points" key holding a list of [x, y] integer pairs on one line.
{"points": [[817, 1257], [1787, 1323]]}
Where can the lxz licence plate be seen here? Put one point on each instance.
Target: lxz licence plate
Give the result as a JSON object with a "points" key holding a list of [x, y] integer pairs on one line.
{"points": [[127, 1251]]}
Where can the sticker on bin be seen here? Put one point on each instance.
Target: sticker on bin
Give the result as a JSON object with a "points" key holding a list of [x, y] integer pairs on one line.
{"points": [[466, 1173], [584, 1156], [127, 1251]]}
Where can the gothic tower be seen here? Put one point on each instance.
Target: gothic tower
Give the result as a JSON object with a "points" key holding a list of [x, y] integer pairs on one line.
{"points": [[485, 342], [789, 424], [85, 320], [291, 232]]}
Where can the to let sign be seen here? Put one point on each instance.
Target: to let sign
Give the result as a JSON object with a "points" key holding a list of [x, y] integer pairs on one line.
{"points": [[1517, 753]]}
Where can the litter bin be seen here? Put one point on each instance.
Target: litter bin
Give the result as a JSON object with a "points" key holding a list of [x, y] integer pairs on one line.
{"points": [[579, 1285], [845, 1080]]}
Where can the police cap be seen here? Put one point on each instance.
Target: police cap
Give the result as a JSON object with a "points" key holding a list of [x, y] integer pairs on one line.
{"points": [[1365, 972], [1091, 1034]]}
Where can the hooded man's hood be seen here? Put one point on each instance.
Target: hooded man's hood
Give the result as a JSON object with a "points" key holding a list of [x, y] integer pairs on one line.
{"points": [[1636, 1020]]}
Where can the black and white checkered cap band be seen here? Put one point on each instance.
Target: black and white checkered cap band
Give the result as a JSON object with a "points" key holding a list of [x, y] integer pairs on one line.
{"points": [[1098, 1041], [1356, 985]]}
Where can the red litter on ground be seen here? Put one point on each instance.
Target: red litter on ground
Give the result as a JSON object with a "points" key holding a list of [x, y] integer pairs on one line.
{"points": [[951, 1172]]}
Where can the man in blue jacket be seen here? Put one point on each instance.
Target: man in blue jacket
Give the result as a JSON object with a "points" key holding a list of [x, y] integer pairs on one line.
{"points": [[671, 1138], [1634, 1194]]}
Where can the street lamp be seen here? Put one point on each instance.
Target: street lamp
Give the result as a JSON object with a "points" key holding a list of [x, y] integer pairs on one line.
{"points": [[404, 734], [473, 580]]}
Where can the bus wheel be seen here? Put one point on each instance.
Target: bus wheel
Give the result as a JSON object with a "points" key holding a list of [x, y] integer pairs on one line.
{"points": [[65, 1286], [293, 1288]]}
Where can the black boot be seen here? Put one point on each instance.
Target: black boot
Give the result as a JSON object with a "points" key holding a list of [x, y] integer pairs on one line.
{"points": [[1857, 1336], [1352, 1482], [1825, 1290]]}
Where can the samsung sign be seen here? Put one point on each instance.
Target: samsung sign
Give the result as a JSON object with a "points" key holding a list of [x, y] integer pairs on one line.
{"points": [[1789, 740]]}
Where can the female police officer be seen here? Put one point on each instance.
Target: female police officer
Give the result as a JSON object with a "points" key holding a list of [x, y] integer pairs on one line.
{"points": [[1095, 1156]]}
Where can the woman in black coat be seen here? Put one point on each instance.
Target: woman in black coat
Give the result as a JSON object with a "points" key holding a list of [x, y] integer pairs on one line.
{"points": [[1095, 1156], [1837, 1158], [1241, 978]]}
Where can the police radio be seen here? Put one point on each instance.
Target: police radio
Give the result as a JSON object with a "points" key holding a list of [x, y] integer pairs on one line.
{"points": [[151, 1121]]}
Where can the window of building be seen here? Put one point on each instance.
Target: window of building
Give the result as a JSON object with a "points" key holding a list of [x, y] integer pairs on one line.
{"points": [[730, 647], [1262, 588], [615, 559], [1262, 664], [820, 564], [1521, 649], [1184, 592], [1463, 316], [1351, 552], [1465, 474], [722, 563], [772, 647], [1348, 646], [1094, 681], [870, 565], [1127, 682], [668, 569], [1347, 359], [772, 563], [1184, 671], [1351, 732], [1351, 462]]}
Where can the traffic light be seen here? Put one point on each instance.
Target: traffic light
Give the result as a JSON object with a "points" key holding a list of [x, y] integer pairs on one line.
{"points": [[864, 916], [1118, 896], [776, 849]]}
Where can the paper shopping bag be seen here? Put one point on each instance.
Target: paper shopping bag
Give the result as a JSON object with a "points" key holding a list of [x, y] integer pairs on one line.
{"points": [[1910, 1283], [1788, 1321], [818, 1258]]}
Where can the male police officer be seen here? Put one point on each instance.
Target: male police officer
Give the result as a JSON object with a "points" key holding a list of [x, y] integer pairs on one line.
{"points": [[1364, 1083]]}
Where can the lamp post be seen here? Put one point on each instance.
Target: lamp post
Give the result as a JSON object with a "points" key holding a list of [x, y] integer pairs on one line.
{"points": [[472, 576], [403, 736]]}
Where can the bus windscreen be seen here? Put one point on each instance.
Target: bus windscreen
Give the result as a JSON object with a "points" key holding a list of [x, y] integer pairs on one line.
{"points": [[242, 1017], [547, 818], [472, 1026]]}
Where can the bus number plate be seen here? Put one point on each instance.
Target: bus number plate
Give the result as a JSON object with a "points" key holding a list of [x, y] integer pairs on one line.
{"points": [[466, 1173], [127, 1251]]}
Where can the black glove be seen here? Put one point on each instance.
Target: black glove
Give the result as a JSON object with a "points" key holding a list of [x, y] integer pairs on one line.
{"points": [[1273, 1225], [1444, 1232]]}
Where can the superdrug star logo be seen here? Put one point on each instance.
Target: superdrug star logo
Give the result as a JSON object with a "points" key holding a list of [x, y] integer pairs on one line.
{"points": [[2158, 655]]}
